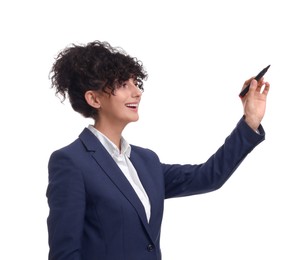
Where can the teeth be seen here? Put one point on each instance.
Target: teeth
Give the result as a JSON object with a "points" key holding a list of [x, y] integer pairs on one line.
{"points": [[132, 105]]}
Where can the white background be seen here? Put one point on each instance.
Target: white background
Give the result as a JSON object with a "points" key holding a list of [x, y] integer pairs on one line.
{"points": [[197, 54]]}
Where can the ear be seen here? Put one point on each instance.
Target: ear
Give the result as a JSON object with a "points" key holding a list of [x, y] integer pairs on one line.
{"points": [[92, 98]]}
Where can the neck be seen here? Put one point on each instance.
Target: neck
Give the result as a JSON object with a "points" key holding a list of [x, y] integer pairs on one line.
{"points": [[113, 133]]}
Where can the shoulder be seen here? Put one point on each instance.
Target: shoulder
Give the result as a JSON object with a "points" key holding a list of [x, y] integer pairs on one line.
{"points": [[79, 146], [75, 152], [143, 152], [71, 148], [68, 155]]}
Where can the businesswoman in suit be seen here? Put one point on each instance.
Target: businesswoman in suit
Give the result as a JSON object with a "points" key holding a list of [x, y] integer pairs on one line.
{"points": [[106, 196]]}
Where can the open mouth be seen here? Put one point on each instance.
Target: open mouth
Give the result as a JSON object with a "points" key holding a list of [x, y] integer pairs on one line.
{"points": [[132, 105]]}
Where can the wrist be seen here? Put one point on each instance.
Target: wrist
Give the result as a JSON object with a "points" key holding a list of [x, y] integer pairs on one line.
{"points": [[252, 123]]}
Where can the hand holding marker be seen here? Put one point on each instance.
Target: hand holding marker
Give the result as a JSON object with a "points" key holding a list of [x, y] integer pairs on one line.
{"points": [[257, 78]]}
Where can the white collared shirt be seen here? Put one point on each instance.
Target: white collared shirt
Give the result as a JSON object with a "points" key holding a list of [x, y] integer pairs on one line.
{"points": [[124, 163]]}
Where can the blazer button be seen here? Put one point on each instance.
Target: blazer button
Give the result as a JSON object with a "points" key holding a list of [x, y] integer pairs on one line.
{"points": [[150, 248]]}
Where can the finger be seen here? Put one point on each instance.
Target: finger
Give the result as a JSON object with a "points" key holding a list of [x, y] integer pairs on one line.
{"points": [[261, 81], [266, 89], [246, 83], [253, 87], [259, 87]]}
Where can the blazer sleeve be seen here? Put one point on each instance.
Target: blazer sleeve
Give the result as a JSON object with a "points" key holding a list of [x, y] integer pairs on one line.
{"points": [[185, 180], [66, 199]]}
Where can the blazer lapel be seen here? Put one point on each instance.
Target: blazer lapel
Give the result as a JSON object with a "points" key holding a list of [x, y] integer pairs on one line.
{"points": [[105, 161], [156, 197]]}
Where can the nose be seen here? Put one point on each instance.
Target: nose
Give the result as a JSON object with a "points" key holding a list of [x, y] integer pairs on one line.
{"points": [[136, 91]]}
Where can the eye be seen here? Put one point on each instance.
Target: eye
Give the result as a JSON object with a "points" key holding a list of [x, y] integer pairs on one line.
{"points": [[136, 82]]}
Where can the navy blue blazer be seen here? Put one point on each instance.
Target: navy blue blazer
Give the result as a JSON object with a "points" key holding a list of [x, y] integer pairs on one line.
{"points": [[95, 213]]}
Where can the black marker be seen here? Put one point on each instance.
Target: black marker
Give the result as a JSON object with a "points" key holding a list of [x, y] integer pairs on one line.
{"points": [[258, 77]]}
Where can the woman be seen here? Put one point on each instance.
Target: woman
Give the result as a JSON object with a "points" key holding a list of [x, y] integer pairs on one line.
{"points": [[105, 196]]}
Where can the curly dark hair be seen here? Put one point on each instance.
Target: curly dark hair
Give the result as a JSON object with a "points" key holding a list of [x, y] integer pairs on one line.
{"points": [[94, 66]]}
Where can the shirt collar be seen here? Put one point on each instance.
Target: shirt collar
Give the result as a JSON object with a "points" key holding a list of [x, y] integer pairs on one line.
{"points": [[111, 148]]}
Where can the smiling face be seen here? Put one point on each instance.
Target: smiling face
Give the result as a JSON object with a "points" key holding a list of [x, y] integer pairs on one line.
{"points": [[116, 111]]}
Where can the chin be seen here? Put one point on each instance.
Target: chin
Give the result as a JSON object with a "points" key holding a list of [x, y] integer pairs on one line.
{"points": [[131, 120]]}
